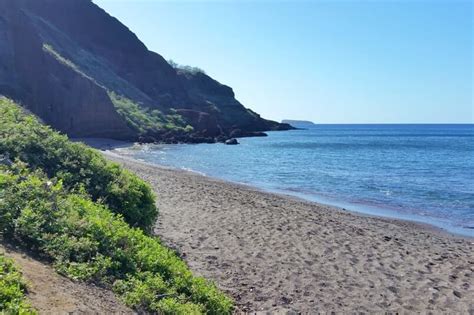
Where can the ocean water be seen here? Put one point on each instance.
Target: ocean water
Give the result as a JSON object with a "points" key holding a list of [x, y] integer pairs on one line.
{"points": [[423, 173]]}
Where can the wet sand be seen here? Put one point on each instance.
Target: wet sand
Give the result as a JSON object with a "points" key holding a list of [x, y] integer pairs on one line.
{"points": [[276, 253]]}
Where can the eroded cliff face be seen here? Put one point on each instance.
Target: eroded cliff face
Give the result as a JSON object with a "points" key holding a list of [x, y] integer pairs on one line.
{"points": [[62, 59], [62, 97]]}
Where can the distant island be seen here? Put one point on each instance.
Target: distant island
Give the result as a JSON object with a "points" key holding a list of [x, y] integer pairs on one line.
{"points": [[299, 123]]}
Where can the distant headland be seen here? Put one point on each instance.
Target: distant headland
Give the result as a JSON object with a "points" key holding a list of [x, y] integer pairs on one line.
{"points": [[299, 123]]}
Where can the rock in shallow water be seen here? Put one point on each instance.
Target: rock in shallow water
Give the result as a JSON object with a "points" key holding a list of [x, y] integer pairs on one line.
{"points": [[232, 141]]}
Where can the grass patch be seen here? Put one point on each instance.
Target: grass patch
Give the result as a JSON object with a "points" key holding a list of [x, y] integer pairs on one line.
{"points": [[148, 121], [12, 289]]}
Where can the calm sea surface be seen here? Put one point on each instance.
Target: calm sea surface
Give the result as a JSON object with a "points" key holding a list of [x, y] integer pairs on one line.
{"points": [[418, 172]]}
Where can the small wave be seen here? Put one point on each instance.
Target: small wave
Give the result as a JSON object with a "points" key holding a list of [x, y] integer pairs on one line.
{"points": [[187, 169]]}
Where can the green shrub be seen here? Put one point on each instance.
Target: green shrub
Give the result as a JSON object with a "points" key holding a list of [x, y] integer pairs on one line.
{"points": [[87, 242], [147, 121], [78, 166], [189, 129], [185, 69], [12, 289], [55, 200]]}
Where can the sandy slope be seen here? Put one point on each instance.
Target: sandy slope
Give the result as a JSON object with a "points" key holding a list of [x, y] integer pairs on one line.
{"points": [[50, 293], [277, 253]]}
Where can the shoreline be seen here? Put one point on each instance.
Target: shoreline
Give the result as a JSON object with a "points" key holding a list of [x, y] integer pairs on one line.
{"points": [[416, 224], [278, 253], [377, 211], [109, 149]]}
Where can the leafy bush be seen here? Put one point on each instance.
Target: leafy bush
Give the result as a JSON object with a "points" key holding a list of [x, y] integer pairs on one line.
{"points": [[87, 242], [55, 200], [76, 165], [12, 289]]}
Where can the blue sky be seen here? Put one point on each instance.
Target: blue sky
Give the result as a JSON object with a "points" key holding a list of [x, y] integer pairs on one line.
{"points": [[327, 61]]}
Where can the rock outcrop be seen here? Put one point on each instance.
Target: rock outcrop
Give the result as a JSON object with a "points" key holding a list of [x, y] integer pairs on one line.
{"points": [[64, 59]]}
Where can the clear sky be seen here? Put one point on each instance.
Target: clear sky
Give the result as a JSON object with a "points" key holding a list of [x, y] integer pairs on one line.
{"points": [[327, 61]]}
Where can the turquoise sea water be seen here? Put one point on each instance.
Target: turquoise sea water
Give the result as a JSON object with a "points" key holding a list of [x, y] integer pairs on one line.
{"points": [[423, 173]]}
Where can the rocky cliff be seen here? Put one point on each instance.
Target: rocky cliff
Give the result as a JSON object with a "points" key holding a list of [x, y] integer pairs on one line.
{"points": [[88, 75]]}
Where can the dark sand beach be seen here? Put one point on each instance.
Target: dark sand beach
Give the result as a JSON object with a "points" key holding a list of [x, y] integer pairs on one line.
{"points": [[275, 253]]}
